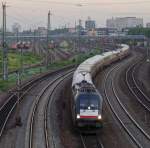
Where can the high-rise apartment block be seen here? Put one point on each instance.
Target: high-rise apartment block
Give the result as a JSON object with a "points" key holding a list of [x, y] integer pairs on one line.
{"points": [[89, 24], [124, 22]]}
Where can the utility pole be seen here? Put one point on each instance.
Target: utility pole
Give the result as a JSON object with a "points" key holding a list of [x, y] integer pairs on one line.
{"points": [[79, 33], [39, 44], [74, 46], [148, 60], [34, 43], [48, 31], [21, 58], [17, 35], [75, 26], [5, 56]]}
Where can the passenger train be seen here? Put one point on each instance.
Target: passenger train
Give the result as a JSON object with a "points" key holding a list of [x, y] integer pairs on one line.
{"points": [[87, 102]]}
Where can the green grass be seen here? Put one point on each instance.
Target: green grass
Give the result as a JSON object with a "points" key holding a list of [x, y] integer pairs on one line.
{"points": [[14, 60], [5, 85]]}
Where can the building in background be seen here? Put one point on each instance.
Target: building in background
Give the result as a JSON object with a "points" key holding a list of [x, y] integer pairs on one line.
{"points": [[92, 33], [42, 31], [148, 25], [72, 30], [90, 24], [106, 31], [124, 22]]}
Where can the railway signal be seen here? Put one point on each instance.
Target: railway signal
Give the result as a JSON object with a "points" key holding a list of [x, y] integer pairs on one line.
{"points": [[20, 47], [17, 93], [18, 117]]}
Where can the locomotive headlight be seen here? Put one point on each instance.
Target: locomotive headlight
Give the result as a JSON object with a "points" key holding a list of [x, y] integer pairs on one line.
{"points": [[99, 117], [78, 116]]}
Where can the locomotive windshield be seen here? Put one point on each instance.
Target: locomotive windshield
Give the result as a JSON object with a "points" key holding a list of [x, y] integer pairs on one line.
{"points": [[89, 100]]}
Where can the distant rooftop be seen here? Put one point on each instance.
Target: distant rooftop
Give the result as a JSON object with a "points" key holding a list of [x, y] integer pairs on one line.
{"points": [[123, 17]]}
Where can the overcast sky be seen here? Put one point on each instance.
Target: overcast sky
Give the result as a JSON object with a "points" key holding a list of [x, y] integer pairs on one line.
{"points": [[33, 13]]}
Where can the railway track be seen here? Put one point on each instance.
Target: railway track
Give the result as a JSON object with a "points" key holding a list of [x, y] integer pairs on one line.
{"points": [[45, 98], [135, 89], [137, 135], [9, 106], [91, 141]]}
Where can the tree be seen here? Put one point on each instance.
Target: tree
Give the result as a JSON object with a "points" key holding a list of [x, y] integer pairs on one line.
{"points": [[140, 31]]}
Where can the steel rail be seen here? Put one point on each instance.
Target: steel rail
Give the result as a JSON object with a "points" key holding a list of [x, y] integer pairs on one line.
{"points": [[45, 112], [61, 79], [50, 103], [9, 106], [128, 114], [98, 142], [114, 112], [82, 140], [136, 87]]}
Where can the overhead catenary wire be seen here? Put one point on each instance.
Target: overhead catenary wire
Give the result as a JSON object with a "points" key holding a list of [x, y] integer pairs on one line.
{"points": [[31, 23], [34, 10]]}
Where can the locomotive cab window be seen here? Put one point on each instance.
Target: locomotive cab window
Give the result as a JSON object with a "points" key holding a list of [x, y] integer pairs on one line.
{"points": [[90, 100]]}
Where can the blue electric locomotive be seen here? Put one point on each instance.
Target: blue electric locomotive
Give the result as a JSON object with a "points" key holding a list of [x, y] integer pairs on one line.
{"points": [[87, 106]]}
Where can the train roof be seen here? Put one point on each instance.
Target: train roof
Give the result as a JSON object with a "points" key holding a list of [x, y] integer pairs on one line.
{"points": [[87, 90], [78, 78], [88, 64]]}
